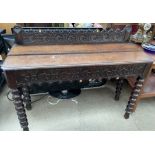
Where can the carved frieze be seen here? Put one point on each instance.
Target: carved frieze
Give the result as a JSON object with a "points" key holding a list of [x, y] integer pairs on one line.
{"points": [[79, 73], [38, 36]]}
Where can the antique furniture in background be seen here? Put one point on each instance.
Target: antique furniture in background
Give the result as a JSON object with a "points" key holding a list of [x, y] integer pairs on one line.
{"points": [[50, 56]]}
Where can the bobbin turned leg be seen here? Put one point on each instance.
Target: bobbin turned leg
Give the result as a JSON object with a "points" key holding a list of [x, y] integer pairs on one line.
{"points": [[133, 97], [26, 97], [19, 106], [119, 86]]}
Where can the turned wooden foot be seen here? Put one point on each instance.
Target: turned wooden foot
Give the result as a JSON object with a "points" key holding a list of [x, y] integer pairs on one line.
{"points": [[19, 106], [134, 95], [126, 115], [25, 129], [119, 86], [26, 98]]}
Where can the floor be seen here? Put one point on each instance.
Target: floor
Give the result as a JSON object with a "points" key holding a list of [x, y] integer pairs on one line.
{"points": [[93, 110]]}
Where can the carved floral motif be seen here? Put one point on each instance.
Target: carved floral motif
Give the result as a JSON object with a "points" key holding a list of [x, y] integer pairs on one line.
{"points": [[78, 73], [28, 36]]}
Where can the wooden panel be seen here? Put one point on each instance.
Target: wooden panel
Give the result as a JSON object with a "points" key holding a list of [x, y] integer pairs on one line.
{"points": [[73, 55], [47, 36], [78, 73], [72, 60], [85, 48]]}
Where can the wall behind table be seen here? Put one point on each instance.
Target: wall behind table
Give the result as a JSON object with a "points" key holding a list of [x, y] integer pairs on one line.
{"points": [[7, 26]]}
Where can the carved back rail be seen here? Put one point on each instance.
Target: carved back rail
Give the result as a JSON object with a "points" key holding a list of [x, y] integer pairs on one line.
{"points": [[47, 35]]}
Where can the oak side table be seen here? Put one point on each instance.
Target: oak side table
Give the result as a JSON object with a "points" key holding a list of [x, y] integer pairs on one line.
{"points": [[45, 56]]}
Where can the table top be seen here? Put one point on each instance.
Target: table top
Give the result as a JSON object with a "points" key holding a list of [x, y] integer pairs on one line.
{"points": [[52, 56]]}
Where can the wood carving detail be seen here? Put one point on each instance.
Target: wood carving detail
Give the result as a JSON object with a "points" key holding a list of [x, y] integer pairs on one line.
{"points": [[35, 36], [134, 95], [26, 97], [19, 106], [78, 73]]}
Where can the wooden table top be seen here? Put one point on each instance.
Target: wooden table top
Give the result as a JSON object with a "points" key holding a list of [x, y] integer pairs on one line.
{"points": [[51, 56]]}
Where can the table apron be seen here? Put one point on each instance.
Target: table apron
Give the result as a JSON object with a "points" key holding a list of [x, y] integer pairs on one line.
{"points": [[31, 76]]}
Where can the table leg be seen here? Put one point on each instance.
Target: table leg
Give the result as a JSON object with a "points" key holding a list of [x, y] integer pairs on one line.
{"points": [[26, 97], [133, 98], [119, 86], [19, 106]]}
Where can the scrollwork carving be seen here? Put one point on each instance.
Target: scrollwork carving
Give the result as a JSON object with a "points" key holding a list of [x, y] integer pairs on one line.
{"points": [[28, 36], [78, 73]]}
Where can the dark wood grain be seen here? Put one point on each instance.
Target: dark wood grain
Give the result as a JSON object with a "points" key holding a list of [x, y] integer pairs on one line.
{"points": [[22, 57], [18, 50]]}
